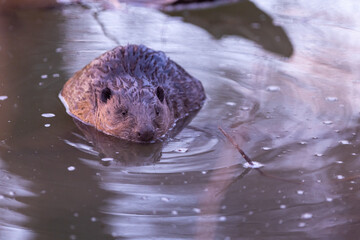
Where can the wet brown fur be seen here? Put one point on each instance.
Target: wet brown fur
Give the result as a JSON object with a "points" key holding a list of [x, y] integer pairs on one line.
{"points": [[132, 92]]}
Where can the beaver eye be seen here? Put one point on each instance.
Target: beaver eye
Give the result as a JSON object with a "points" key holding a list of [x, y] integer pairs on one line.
{"points": [[105, 94], [160, 93], [124, 113]]}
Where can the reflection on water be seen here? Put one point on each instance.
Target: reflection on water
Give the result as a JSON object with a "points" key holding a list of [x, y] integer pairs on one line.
{"points": [[240, 19], [298, 116]]}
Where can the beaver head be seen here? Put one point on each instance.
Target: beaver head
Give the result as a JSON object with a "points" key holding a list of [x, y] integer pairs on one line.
{"points": [[132, 92], [139, 115]]}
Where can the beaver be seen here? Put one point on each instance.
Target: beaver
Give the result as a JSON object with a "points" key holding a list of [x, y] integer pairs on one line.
{"points": [[132, 92]]}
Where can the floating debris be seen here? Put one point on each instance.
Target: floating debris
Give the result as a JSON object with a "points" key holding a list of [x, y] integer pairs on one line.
{"points": [[181, 150]]}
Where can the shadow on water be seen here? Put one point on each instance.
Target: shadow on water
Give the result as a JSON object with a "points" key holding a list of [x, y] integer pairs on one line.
{"points": [[242, 19]]}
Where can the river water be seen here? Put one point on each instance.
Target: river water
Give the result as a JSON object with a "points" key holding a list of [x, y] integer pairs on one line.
{"points": [[281, 77]]}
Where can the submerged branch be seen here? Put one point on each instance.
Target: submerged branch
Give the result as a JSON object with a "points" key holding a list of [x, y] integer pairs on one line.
{"points": [[236, 146], [243, 154]]}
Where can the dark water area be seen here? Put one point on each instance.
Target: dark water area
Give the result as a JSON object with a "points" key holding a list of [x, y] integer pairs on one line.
{"points": [[281, 77]]}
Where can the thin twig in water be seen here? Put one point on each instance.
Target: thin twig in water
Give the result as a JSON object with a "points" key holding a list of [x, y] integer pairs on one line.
{"points": [[352, 178], [249, 160], [236, 146]]}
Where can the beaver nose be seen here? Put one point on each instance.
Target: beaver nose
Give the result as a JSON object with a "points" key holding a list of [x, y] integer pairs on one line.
{"points": [[145, 134]]}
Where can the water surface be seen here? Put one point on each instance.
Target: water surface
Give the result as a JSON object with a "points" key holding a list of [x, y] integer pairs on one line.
{"points": [[282, 78]]}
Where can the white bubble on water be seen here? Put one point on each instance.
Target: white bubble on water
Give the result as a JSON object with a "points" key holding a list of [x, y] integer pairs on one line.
{"points": [[2, 98], [344, 142], [340, 177], [327, 122], [306, 215], [266, 148], [222, 219], [255, 165], [71, 168], [331, 99], [47, 125], [301, 224], [273, 88], [300, 192], [197, 210], [230, 103], [48, 115], [107, 159]]}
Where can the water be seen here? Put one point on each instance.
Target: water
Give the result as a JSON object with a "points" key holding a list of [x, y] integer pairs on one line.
{"points": [[281, 78]]}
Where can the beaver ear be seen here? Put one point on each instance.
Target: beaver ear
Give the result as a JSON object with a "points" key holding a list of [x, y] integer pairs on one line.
{"points": [[160, 93], [105, 94]]}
